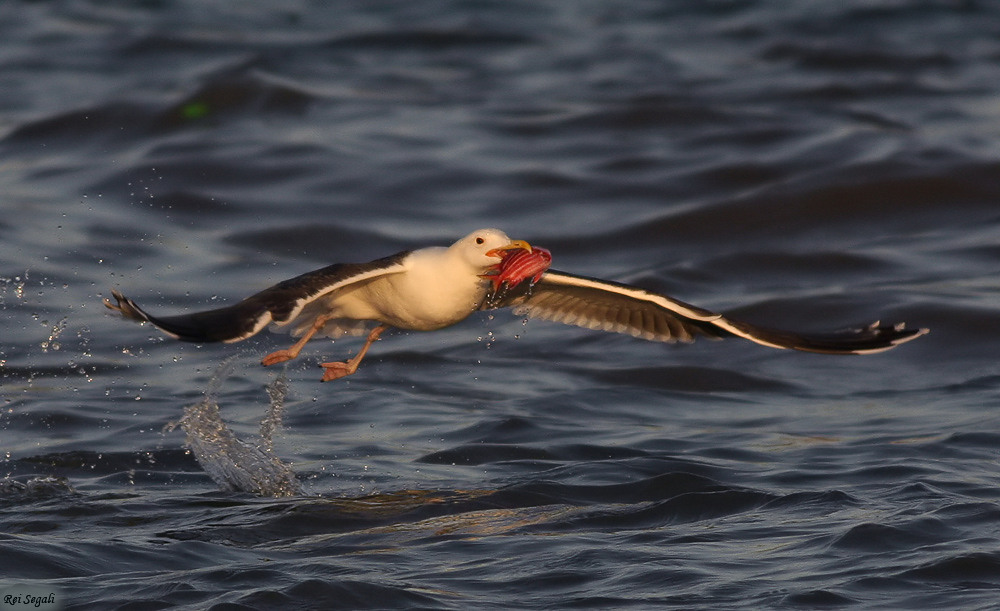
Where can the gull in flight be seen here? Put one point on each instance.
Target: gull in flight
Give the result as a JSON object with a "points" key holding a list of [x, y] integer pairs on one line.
{"points": [[436, 287]]}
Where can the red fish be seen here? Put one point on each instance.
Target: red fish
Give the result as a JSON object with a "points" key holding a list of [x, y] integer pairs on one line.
{"points": [[519, 265]]}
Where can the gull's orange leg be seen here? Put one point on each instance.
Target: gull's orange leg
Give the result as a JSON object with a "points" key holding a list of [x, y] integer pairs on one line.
{"points": [[337, 370], [290, 353]]}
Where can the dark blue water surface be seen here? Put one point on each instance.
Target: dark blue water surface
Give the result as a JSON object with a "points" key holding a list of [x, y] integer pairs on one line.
{"points": [[798, 164]]}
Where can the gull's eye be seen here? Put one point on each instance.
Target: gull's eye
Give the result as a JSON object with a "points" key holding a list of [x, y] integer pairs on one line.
{"points": [[479, 240]]}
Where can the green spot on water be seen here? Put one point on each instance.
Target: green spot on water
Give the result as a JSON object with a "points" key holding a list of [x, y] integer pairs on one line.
{"points": [[194, 110]]}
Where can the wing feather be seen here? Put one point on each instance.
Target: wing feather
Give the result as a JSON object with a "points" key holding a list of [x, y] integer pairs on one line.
{"points": [[609, 306], [280, 304], [621, 308]]}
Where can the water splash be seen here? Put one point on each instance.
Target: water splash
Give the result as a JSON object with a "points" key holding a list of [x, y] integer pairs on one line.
{"points": [[16, 285], [52, 343], [271, 422], [236, 465], [43, 486]]}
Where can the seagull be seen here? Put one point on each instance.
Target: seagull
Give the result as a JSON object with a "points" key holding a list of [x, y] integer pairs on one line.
{"points": [[436, 287]]}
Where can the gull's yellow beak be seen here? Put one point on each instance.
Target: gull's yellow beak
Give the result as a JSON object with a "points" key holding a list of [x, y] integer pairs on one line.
{"points": [[512, 245]]}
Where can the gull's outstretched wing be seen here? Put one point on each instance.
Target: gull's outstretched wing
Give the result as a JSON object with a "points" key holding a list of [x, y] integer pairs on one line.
{"points": [[279, 304], [620, 308]]}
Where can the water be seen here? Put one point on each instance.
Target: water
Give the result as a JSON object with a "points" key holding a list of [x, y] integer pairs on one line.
{"points": [[806, 165]]}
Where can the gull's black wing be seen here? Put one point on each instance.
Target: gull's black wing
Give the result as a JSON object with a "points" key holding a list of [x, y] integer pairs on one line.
{"points": [[279, 304], [620, 308]]}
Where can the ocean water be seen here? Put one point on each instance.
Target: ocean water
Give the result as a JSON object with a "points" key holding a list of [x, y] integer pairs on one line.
{"points": [[800, 164]]}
